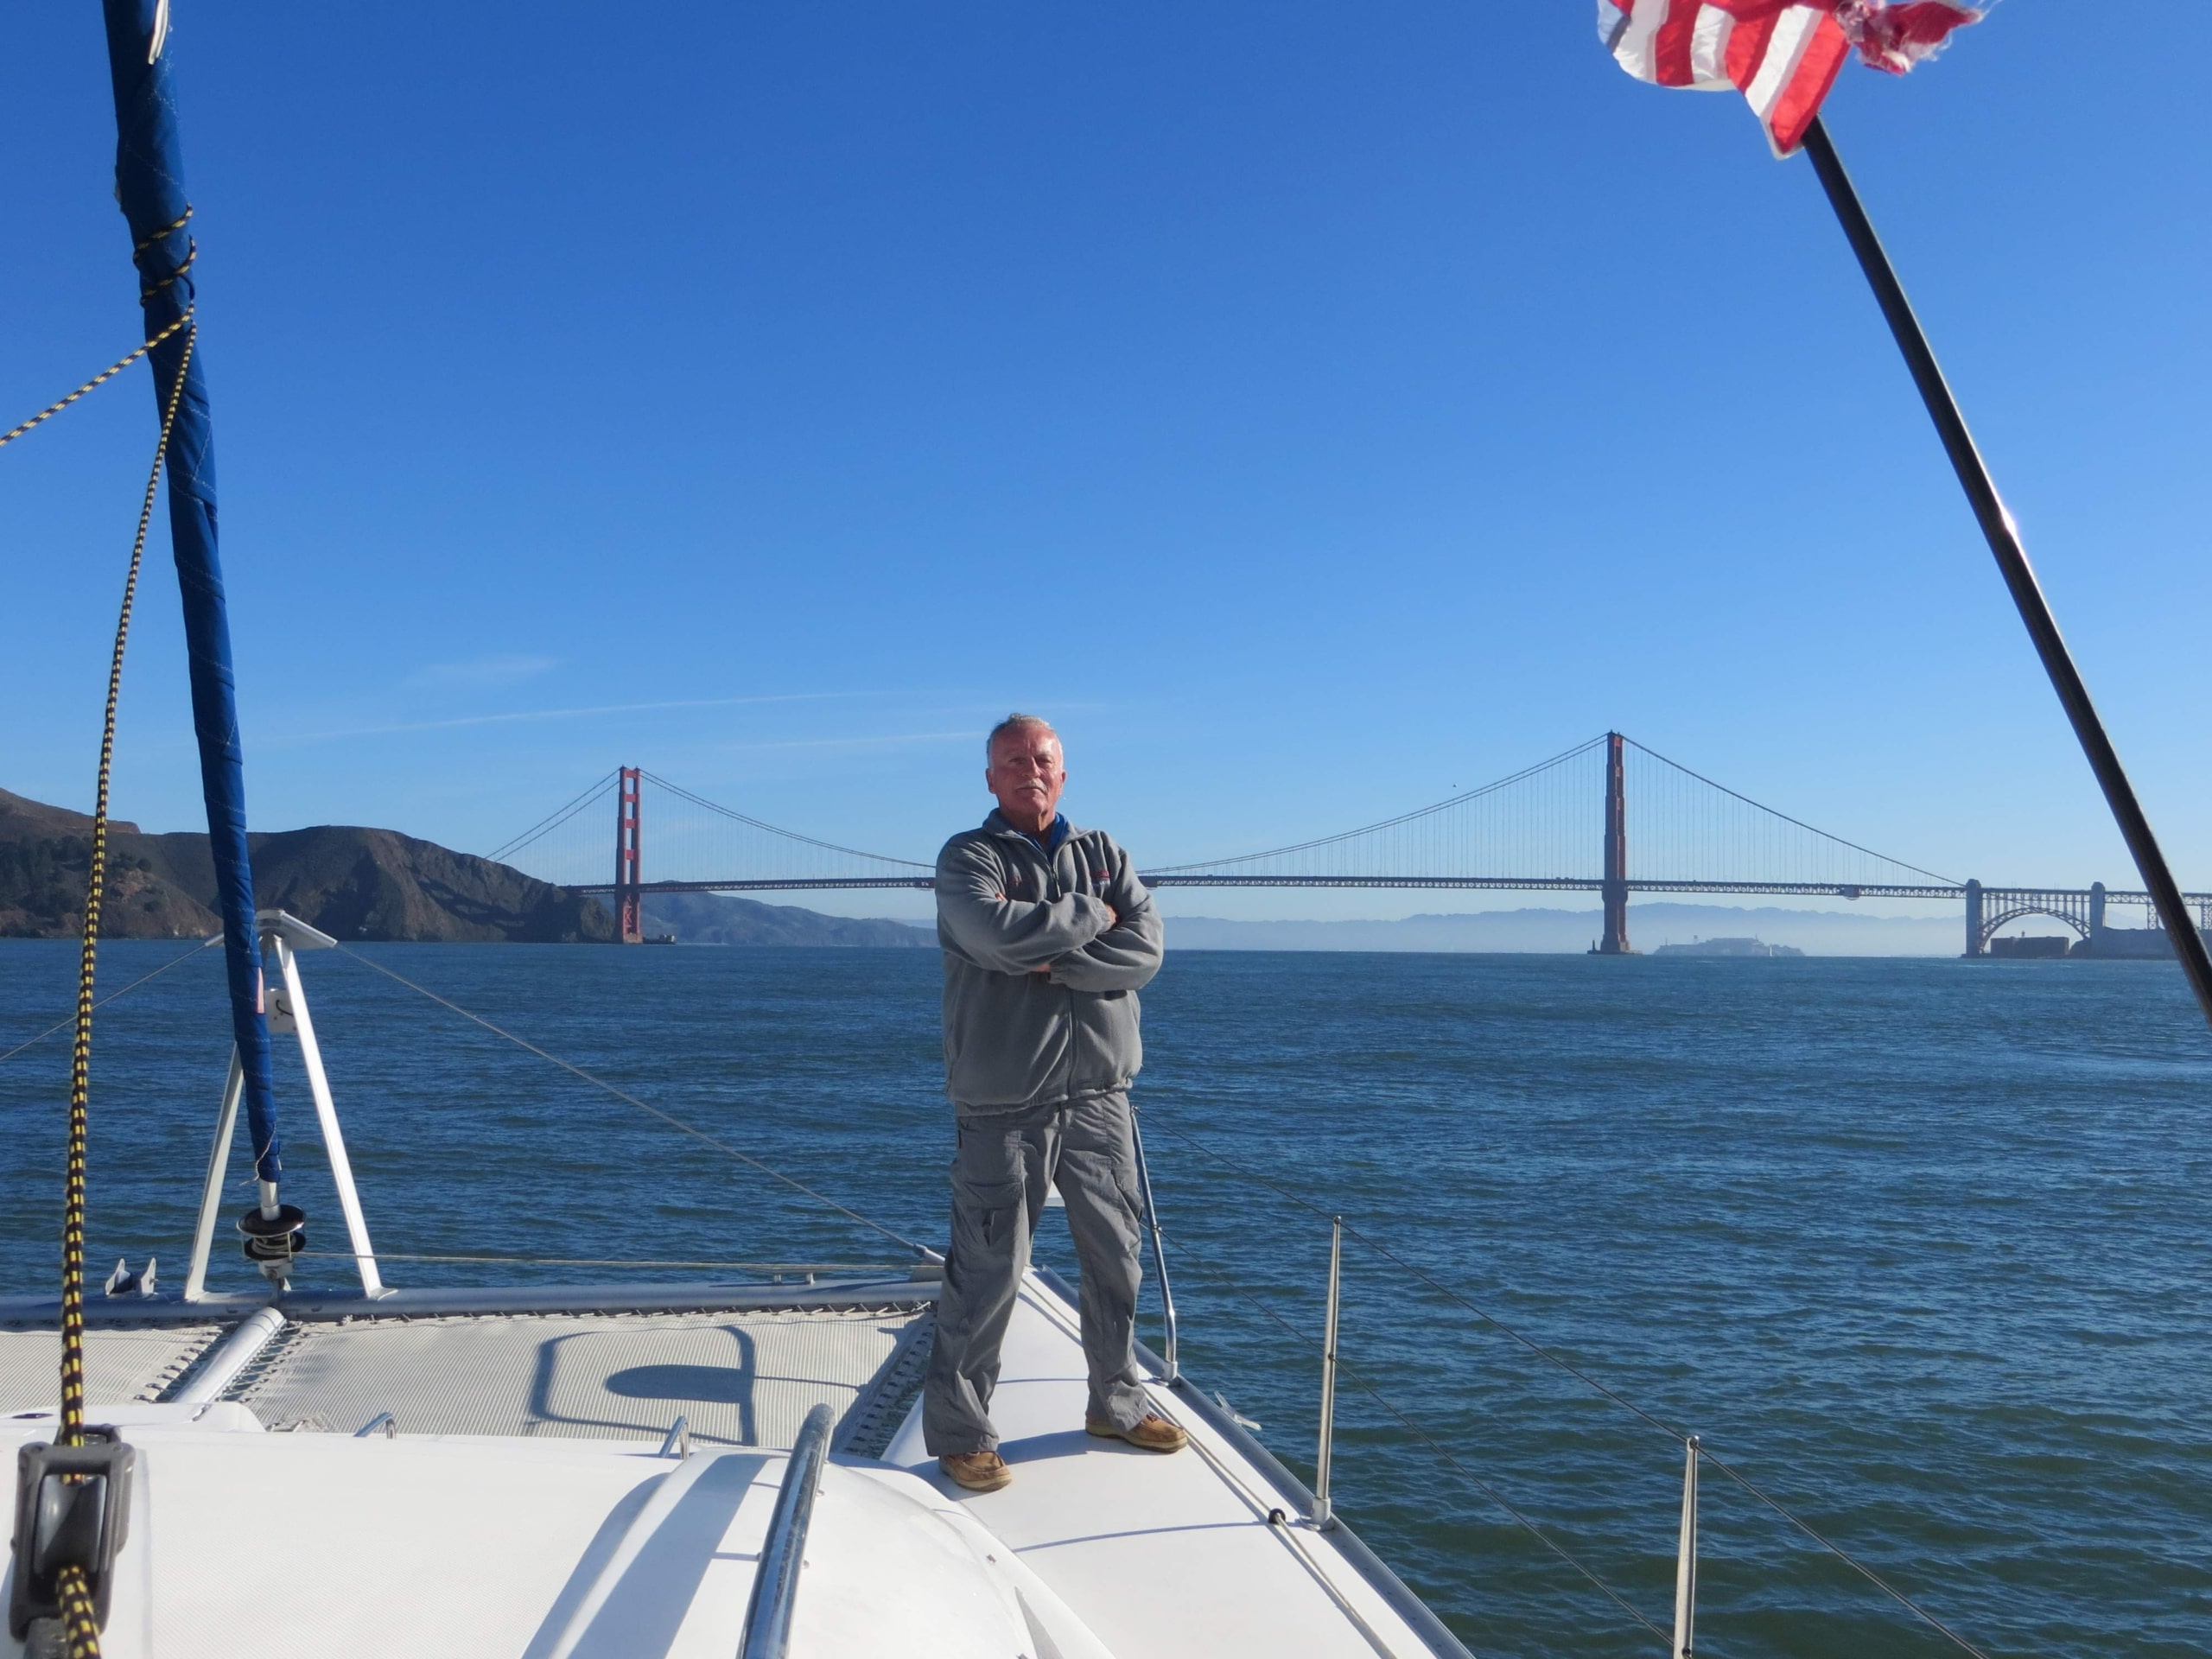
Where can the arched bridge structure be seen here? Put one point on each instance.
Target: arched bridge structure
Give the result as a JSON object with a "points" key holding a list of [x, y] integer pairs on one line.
{"points": [[1989, 910], [1608, 816]]}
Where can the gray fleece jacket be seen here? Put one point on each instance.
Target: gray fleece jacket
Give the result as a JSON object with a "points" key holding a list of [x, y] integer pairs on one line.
{"points": [[1015, 1037]]}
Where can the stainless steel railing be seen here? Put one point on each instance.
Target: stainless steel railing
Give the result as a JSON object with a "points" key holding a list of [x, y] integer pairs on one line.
{"points": [[1174, 1376], [1686, 1560], [775, 1585], [1323, 1515]]}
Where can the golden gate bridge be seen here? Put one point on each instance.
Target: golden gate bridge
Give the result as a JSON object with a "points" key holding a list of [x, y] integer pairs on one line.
{"points": [[1567, 825]]}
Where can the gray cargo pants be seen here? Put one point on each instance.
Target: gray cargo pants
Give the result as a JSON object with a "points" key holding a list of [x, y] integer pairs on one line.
{"points": [[1005, 1161]]}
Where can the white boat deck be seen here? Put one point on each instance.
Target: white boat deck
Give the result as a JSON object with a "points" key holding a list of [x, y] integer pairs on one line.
{"points": [[1163, 1557], [516, 1513], [436, 1548]]}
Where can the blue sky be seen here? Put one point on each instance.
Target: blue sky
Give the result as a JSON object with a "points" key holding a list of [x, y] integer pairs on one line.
{"points": [[1311, 407]]}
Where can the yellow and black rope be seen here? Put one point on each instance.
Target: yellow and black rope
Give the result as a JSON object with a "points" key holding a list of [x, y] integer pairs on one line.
{"points": [[140, 248], [80, 1621], [97, 380], [137, 252]]}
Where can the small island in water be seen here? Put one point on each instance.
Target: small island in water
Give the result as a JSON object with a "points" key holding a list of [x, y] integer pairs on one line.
{"points": [[1727, 948]]}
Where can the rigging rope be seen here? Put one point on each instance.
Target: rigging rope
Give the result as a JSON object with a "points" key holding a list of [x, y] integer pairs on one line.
{"points": [[64, 1024], [669, 1118], [96, 381], [137, 252], [73, 1589]]}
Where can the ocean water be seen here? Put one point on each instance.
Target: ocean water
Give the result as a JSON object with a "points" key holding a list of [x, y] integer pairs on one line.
{"points": [[1919, 1247]]}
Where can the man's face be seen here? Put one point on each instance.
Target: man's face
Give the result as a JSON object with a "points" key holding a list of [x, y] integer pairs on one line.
{"points": [[1026, 775]]}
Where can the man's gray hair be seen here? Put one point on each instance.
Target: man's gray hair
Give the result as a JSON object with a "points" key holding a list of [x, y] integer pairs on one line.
{"points": [[1013, 723]]}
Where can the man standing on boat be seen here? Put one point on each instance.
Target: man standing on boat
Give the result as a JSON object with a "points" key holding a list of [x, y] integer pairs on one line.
{"points": [[1047, 936]]}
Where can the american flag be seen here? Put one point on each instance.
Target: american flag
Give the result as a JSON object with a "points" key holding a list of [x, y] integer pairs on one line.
{"points": [[1781, 54]]}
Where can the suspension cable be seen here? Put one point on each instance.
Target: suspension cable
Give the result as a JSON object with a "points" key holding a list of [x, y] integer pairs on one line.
{"points": [[550, 821], [1387, 823], [1882, 857], [669, 1118], [773, 830], [64, 1024]]}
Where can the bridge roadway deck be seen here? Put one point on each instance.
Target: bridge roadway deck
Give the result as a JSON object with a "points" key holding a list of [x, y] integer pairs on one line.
{"points": [[1501, 883], [1495, 883]]}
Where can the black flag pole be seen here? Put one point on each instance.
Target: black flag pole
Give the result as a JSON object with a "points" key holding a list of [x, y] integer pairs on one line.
{"points": [[2004, 539]]}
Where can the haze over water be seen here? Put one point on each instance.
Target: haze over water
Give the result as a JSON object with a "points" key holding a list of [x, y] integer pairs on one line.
{"points": [[1919, 1246]]}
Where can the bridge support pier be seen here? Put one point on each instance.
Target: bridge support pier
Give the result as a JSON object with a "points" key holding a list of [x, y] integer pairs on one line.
{"points": [[629, 861], [1613, 940], [2096, 915], [1976, 947]]}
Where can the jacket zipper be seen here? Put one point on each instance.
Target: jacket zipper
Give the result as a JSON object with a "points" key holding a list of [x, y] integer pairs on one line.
{"points": [[1053, 886]]}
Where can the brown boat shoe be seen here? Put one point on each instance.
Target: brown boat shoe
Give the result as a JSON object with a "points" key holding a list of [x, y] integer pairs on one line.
{"points": [[977, 1471], [1154, 1434]]}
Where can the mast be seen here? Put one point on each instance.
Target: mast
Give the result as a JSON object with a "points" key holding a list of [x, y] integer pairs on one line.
{"points": [[150, 188]]}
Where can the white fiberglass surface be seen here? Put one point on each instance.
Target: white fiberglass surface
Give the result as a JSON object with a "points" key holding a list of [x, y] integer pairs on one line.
{"points": [[1162, 1557], [360, 1548]]}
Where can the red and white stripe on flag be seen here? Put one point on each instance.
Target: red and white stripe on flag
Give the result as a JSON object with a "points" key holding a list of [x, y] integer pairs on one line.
{"points": [[1781, 54]]}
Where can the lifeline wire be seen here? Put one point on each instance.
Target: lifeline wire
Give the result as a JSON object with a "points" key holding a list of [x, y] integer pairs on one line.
{"points": [[1446, 1291], [1802, 1526], [64, 1024], [1369, 1388], [1841, 1553], [1538, 1349], [669, 1118]]}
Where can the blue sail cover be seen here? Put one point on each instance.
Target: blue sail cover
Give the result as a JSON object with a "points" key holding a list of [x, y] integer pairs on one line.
{"points": [[149, 187]]}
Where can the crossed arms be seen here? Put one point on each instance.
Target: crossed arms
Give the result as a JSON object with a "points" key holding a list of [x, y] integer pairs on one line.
{"points": [[1084, 942]]}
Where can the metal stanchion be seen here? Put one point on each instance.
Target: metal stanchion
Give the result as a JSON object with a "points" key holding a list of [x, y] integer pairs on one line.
{"points": [[1174, 1377], [1323, 1516], [1686, 1559]]}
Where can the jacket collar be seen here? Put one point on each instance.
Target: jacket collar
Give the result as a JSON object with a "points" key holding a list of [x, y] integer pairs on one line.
{"points": [[1058, 836]]}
